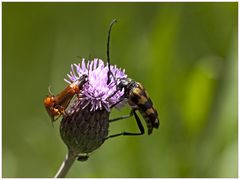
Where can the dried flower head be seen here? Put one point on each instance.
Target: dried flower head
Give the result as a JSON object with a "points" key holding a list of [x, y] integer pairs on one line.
{"points": [[85, 125]]}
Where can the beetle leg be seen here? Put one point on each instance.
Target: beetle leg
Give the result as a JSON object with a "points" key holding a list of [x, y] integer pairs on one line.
{"points": [[140, 126]]}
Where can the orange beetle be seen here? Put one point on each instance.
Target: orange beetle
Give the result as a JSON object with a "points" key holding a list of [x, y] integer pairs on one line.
{"points": [[56, 105]]}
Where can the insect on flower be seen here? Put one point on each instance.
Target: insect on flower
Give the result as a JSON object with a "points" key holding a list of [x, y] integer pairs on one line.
{"points": [[137, 97], [85, 126], [56, 105]]}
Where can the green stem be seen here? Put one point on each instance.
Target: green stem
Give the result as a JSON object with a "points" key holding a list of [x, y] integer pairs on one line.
{"points": [[66, 165]]}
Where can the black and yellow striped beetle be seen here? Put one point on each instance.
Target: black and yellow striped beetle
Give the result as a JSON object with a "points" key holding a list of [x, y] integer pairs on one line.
{"points": [[137, 98]]}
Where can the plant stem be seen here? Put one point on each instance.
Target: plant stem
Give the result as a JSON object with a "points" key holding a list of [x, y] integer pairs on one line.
{"points": [[66, 165]]}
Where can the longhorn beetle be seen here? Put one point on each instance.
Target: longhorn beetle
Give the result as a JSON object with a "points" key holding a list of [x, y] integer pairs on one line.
{"points": [[137, 97]]}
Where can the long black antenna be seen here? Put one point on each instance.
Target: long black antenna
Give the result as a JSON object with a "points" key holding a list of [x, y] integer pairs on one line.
{"points": [[108, 47]]}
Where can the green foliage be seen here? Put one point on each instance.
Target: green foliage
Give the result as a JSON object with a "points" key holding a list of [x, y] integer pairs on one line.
{"points": [[185, 54]]}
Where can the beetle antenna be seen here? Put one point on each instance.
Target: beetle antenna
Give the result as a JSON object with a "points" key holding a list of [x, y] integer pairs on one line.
{"points": [[49, 90], [108, 47]]}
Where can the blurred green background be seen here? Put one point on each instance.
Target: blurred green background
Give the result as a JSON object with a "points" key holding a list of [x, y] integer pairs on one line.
{"points": [[185, 54]]}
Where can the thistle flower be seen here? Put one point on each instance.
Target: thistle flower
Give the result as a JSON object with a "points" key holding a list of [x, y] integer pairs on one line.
{"points": [[84, 127], [96, 91]]}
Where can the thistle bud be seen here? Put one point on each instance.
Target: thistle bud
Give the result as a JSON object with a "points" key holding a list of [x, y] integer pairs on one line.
{"points": [[84, 131]]}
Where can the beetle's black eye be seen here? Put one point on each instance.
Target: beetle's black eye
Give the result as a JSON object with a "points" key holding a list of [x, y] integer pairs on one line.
{"points": [[120, 87], [85, 77]]}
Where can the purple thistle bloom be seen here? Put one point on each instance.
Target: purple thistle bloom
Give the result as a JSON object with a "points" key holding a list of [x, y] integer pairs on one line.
{"points": [[84, 127], [96, 91]]}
